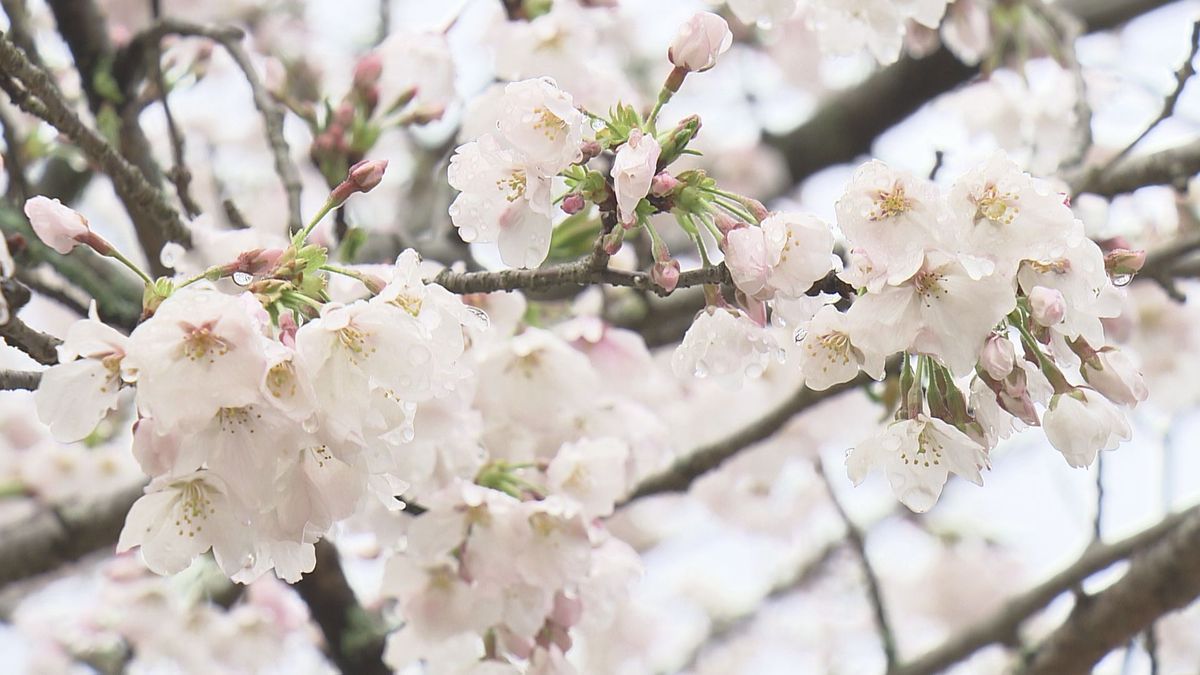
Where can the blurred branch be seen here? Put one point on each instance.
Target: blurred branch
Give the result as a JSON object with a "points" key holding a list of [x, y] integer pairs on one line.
{"points": [[1185, 73], [231, 38], [40, 346], [680, 476], [847, 123], [1161, 579], [51, 536], [1003, 626], [19, 379], [857, 541], [352, 639], [1174, 167]]}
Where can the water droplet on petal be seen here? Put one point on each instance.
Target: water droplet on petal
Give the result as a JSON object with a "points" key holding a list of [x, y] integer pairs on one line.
{"points": [[242, 278], [799, 335], [485, 321], [701, 369], [1122, 280]]}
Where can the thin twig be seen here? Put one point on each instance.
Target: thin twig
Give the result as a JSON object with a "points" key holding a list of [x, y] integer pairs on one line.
{"points": [[179, 174], [38, 96], [858, 542], [41, 347], [272, 114], [680, 476], [1185, 73]]}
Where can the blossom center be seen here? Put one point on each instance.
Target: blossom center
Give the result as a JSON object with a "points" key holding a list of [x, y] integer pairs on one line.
{"points": [[514, 185], [891, 203], [281, 379], [201, 342], [195, 506], [928, 453], [548, 123], [997, 206], [929, 285]]}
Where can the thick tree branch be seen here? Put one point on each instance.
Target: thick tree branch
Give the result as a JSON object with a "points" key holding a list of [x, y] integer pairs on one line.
{"points": [[580, 273], [1168, 167], [1160, 580], [846, 124], [1004, 625], [352, 638], [19, 379], [53, 536]]}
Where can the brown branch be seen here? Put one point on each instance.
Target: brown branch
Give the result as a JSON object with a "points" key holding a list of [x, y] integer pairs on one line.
{"points": [[41, 347], [580, 273], [38, 96], [846, 124], [19, 379], [1160, 580], [680, 476], [1174, 167], [230, 38], [1002, 627], [352, 639], [858, 542], [55, 535]]}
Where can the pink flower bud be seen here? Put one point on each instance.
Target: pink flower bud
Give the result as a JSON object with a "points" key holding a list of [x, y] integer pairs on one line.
{"points": [[662, 184], [362, 177], [1047, 305], [998, 357], [573, 203], [665, 274], [60, 227], [367, 71], [612, 241], [699, 42], [756, 208], [1123, 263], [726, 223], [589, 149]]}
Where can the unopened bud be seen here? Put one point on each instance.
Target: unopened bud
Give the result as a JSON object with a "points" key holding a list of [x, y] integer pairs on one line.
{"points": [[756, 208], [678, 139], [367, 71], [256, 261], [998, 357], [665, 274], [727, 223], [590, 149], [662, 184], [1047, 305], [1123, 263], [699, 42], [61, 227], [362, 177], [611, 243], [573, 203]]}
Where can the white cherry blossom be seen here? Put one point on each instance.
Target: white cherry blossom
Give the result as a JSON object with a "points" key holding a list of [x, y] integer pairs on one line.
{"points": [[786, 255], [917, 456], [829, 353], [502, 200], [725, 345], [540, 122], [76, 394], [1081, 423], [632, 172]]}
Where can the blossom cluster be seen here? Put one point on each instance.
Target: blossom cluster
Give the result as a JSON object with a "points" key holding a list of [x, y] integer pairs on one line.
{"points": [[954, 280]]}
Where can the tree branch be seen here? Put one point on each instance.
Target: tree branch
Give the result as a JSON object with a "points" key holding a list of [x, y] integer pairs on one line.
{"points": [[231, 38], [1003, 626], [845, 125], [52, 536], [1160, 580], [857, 541], [38, 96], [41, 347], [352, 640], [580, 273], [19, 379], [680, 476]]}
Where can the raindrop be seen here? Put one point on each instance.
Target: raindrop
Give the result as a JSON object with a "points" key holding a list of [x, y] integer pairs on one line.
{"points": [[408, 433], [242, 278], [1122, 280], [799, 335], [485, 321], [701, 369]]}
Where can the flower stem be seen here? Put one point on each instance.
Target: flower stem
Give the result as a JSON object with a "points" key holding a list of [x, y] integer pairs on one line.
{"points": [[117, 255], [329, 205]]}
